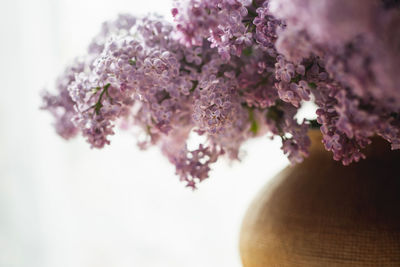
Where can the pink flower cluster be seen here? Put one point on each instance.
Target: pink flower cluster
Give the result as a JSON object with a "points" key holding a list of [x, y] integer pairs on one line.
{"points": [[230, 70]]}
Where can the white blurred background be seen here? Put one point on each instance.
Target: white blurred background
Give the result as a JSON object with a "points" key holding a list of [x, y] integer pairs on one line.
{"points": [[65, 205]]}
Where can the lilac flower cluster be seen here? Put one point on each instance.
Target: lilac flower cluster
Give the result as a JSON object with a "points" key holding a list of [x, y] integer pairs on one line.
{"points": [[226, 24], [230, 70], [356, 49]]}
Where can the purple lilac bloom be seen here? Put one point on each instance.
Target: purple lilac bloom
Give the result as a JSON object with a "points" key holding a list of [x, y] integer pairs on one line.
{"points": [[230, 70]]}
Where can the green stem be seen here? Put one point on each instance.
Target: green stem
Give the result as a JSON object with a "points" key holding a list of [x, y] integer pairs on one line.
{"points": [[98, 104]]}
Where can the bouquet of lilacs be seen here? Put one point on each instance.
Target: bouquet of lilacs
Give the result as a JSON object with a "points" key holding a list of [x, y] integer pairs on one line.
{"points": [[231, 70]]}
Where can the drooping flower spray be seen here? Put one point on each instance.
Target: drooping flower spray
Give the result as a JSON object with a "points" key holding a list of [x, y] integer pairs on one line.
{"points": [[230, 70]]}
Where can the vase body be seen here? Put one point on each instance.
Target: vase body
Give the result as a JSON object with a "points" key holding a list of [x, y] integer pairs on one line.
{"points": [[321, 213]]}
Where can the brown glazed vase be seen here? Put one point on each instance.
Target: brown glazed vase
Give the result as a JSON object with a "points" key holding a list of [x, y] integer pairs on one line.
{"points": [[321, 213]]}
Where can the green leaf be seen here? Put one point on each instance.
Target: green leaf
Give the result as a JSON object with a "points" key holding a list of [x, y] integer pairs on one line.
{"points": [[254, 127], [296, 79], [274, 114], [195, 83], [314, 124], [253, 122], [312, 85], [247, 51]]}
